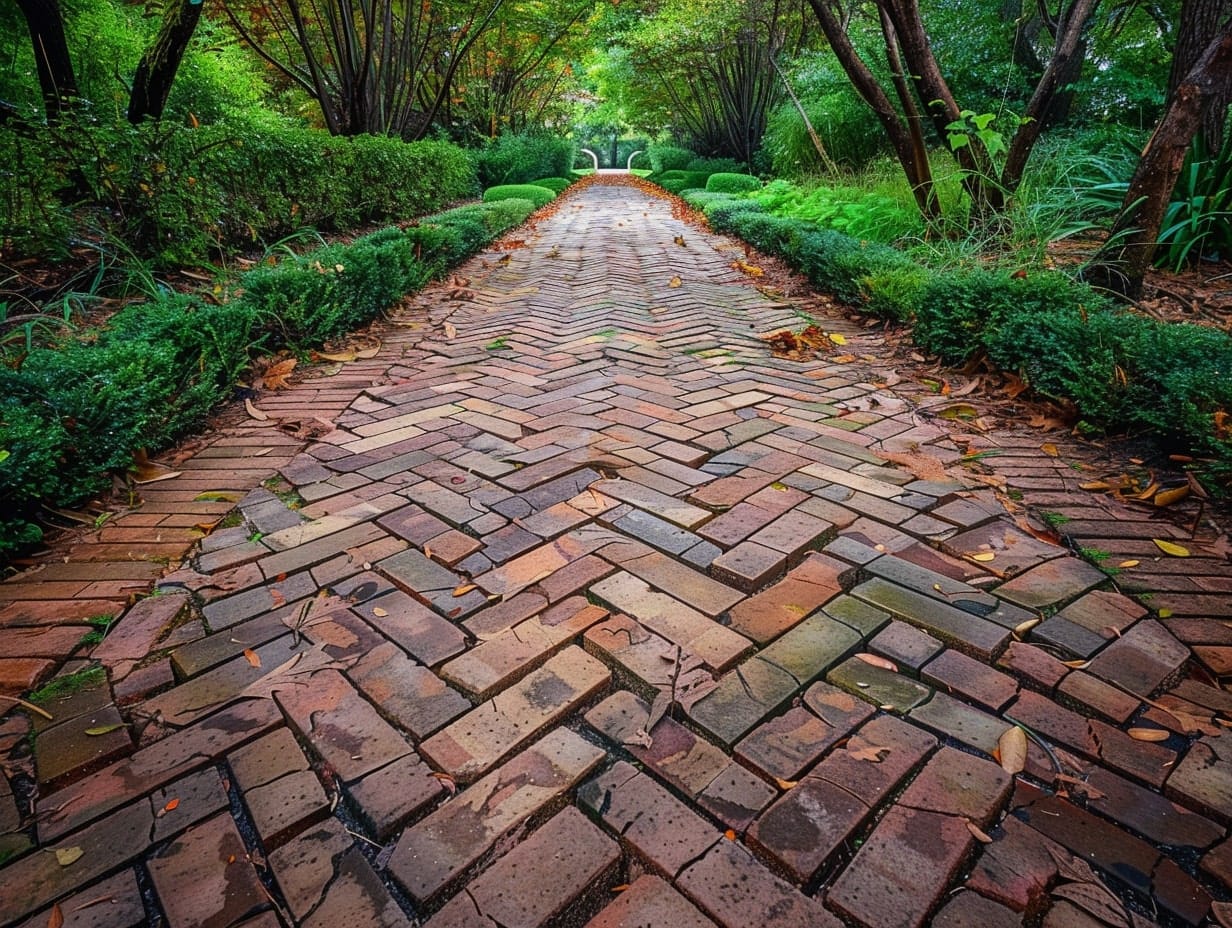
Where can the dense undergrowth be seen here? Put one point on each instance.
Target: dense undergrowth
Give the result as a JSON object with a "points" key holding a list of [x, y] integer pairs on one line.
{"points": [[1122, 371], [75, 410]]}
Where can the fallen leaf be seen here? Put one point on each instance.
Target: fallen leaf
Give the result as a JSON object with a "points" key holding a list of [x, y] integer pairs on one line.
{"points": [[1023, 627], [277, 598], [104, 729], [464, 589], [275, 376], [674, 282], [875, 661], [1165, 613], [1223, 913], [1168, 547], [68, 855], [451, 331], [28, 705], [172, 805], [379, 612], [56, 918], [619, 888], [368, 353], [1126, 565], [860, 749], [146, 471], [837, 339], [1175, 495], [786, 784], [339, 356], [982, 556], [450, 784], [1078, 664], [1148, 734], [977, 832], [957, 411], [1050, 449], [252, 657], [729, 835], [1012, 748], [217, 496]]}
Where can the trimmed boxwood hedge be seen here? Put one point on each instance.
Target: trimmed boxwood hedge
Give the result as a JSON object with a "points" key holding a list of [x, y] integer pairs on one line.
{"points": [[72, 414]]}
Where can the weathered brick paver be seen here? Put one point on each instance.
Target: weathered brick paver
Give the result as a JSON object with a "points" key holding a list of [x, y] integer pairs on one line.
{"points": [[577, 606]]}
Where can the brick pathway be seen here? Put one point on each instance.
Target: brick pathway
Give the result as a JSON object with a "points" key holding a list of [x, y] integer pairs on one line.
{"points": [[562, 625]]}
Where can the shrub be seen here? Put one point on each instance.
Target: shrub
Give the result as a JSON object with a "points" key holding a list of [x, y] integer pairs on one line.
{"points": [[859, 213], [540, 196], [70, 415], [732, 183], [667, 157], [520, 158], [679, 181], [555, 184], [180, 194], [715, 165], [700, 199]]}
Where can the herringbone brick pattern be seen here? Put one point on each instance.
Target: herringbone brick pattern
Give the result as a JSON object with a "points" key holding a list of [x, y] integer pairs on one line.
{"points": [[578, 607]]}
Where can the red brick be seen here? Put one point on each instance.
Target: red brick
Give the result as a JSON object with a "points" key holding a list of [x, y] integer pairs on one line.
{"points": [[205, 878], [650, 903]]}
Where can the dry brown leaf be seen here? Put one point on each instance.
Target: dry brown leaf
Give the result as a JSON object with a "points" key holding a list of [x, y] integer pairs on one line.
{"points": [[674, 282], [976, 832], [56, 918], [1012, 749], [252, 657], [341, 357], [1126, 565], [1023, 627], [146, 471], [786, 784], [275, 376], [464, 589], [366, 354], [860, 749], [1148, 734], [254, 412], [450, 784], [876, 661], [1050, 449], [451, 331]]}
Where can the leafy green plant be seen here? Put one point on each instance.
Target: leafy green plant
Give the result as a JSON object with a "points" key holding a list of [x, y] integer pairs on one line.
{"points": [[540, 196], [724, 182], [668, 157], [555, 184], [520, 158]]}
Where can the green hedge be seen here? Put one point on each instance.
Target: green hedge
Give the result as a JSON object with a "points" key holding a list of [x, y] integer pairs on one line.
{"points": [[540, 196], [180, 194], [72, 414], [667, 157], [1123, 372], [520, 158], [555, 184], [726, 182]]}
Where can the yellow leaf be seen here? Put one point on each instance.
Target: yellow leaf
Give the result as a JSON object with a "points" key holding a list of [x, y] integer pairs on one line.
{"points": [[982, 556], [1023, 627], [1012, 748], [464, 589], [786, 784], [379, 612], [104, 729], [1148, 734], [837, 339], [958, 411], [1175, 495], [1168, 547], [1050, 449], [1126, 565], [674, 282], [368, 353], [68, 855], [1165, 613]]}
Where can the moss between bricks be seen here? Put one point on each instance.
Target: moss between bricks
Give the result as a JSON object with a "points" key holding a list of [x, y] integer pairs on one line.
{"points": [[67, 685]]}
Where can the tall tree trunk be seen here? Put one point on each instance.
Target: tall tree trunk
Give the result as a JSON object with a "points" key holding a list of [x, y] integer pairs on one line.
{"points": [[156, 70], [919, 176], [1121, 265], [1200, 21], [51, 58]]}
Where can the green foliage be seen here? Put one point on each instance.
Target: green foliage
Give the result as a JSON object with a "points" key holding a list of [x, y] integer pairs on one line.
{"points": [[180, 194], [540, 196], [520, 158], [555, 184], [859, 213], [679, 181], [700, 199], [667, 157], [715, 166], [847, 127], [725, 182], [72, 413]]}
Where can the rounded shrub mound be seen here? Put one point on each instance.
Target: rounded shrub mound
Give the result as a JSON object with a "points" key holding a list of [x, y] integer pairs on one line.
{"points": [[540, 196], [555, 184], [669, 158], [724, 182]]}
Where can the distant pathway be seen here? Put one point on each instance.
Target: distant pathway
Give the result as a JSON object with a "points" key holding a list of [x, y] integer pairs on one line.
{"points": [[575, 606]]}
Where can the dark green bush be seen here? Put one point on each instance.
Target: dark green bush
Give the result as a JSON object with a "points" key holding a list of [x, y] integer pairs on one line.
{"points": [[70, 415], [679, 181], [555, 184], [180, 194], [724, 182], [716, 165], [666, 157], [700, 199], [520, 158], [540, 196]]}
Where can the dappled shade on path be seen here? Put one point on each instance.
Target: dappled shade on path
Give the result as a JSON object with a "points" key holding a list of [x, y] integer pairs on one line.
{"points": [[586, 604]]}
